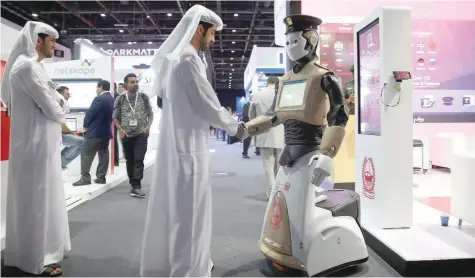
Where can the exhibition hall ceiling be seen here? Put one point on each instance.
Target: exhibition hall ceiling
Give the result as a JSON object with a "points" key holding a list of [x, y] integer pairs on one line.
{"points": [[247, 23]]}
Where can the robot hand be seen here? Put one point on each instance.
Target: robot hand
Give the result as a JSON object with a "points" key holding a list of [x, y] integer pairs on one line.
{"points": [[323, 168], [241, 134]]}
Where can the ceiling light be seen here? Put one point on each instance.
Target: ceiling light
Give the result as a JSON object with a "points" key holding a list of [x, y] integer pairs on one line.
{"points": [[149, 42], [236, 15], [232, 69], [169, 14], [230, 74], [34, 15], [122, 31], [233, 42], [103, 15], [231, 65], [135, 42], [232, 51], [129, 43], [234, 31], [232, 58], [148, 16], [230, 77], [109, 42]]}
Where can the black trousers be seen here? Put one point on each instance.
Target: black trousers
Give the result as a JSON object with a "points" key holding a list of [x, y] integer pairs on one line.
{"points": [[135, 149], [90, 148], [245, 145], [116, 147]]}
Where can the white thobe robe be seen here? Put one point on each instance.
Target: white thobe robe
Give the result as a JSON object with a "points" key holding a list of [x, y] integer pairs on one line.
{"points": [[177, 236], [37, 230]]}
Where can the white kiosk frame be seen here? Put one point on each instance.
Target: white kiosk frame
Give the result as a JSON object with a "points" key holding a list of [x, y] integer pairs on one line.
{"points": [[387, 197], [405, 233]]}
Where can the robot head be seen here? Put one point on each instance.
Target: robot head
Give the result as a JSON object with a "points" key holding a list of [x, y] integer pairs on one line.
{"points": [[302, 37]]}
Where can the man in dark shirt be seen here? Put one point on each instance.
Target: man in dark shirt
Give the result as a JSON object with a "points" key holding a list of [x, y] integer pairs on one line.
{"points": [[133, 117], [97, 122]]}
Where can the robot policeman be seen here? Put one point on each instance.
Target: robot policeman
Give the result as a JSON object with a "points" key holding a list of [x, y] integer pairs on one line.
{"points": [[309, 102]]}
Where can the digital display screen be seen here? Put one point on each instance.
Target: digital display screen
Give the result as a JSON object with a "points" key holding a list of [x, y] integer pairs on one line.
{"points": [[443, 81], [72, 124], [369, 86], [293, 93], [402, 75], [82, 93]]}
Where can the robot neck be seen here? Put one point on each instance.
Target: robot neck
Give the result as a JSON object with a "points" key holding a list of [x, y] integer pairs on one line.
{"points": [[302, 62]]}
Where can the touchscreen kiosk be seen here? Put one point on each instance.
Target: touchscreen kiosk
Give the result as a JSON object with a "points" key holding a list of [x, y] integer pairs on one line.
{"points": [[369, 86]]}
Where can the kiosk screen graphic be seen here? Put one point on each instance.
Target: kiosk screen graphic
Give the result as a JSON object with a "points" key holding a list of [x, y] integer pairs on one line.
{"points": [[369, 87]]}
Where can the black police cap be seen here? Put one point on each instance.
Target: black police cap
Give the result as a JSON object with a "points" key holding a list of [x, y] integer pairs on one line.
{"points": [[301, 22]]}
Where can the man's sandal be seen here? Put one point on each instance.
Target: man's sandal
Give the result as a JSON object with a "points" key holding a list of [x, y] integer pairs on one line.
{"points": [[51, 270]]}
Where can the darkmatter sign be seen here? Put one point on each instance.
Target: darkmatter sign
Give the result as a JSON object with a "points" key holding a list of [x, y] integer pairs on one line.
{"points": [[123, 49]]}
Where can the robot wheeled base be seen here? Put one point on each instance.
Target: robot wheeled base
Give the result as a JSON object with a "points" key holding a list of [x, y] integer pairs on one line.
{"points": [[340, 205]]}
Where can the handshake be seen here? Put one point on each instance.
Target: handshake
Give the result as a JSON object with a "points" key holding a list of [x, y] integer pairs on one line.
{"points": [[241, 133]]}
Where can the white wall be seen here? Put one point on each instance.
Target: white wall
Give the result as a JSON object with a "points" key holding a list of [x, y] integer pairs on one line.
{"points": [[263, 57], [10, 32]]}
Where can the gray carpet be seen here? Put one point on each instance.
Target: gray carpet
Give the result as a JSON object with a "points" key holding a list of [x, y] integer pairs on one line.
{"points": [[107, 231]]}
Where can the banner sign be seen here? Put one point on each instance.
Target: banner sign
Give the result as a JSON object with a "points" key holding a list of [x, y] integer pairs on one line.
{"points": [[125, 49]]}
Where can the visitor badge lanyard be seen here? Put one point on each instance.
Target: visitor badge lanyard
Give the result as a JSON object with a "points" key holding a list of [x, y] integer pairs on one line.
{"points": [[135, 105]]}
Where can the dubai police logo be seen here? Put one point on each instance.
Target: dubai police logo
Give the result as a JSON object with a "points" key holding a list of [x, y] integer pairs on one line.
{"points": [[289, 21], [86, 63]]}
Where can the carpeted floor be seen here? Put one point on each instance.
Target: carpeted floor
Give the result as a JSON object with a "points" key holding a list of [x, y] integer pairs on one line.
{"points": [[107, 231]]}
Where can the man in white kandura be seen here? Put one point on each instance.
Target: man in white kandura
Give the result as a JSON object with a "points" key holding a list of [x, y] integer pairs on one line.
{"points": [[37, 231], [270, 143], [177, 238]]}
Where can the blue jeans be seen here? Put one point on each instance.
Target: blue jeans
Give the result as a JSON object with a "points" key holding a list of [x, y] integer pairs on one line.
{"points": [[73, 145]]}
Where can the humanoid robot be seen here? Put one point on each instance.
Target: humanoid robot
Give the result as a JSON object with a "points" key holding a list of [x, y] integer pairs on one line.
{"points": [[305, 227]]}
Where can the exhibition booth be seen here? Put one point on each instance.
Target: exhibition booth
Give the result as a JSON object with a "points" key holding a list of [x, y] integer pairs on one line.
{"points": [[264, 62], [426, 123]]}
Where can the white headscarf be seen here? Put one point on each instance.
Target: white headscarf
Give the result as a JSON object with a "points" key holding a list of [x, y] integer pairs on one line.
{"points": [[24, 45], [169, 52]]}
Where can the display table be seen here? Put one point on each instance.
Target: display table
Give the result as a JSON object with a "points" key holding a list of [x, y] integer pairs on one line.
{"points": [[462, 187], [344, 162]]}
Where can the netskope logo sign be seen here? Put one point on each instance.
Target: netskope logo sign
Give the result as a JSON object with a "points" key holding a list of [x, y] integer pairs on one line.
{"points": [[83, 70]]}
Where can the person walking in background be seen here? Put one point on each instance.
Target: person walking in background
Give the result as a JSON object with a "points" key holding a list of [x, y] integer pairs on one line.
{"points": [[133, 117], [71, 141], [270, 143], [121, 88], [245, 118], [97, 123]]}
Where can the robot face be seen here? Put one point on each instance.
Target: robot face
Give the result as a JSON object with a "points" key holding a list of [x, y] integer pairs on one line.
{"points": [[295, 46]]}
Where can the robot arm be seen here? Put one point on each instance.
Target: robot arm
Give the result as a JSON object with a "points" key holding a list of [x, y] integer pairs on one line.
{"points": [[337, 117], [264, 123]]}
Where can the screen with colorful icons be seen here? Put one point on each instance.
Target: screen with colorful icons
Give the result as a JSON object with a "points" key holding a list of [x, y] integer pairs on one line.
{"points": [[369, 88], [337, 49], [443, 71]]}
